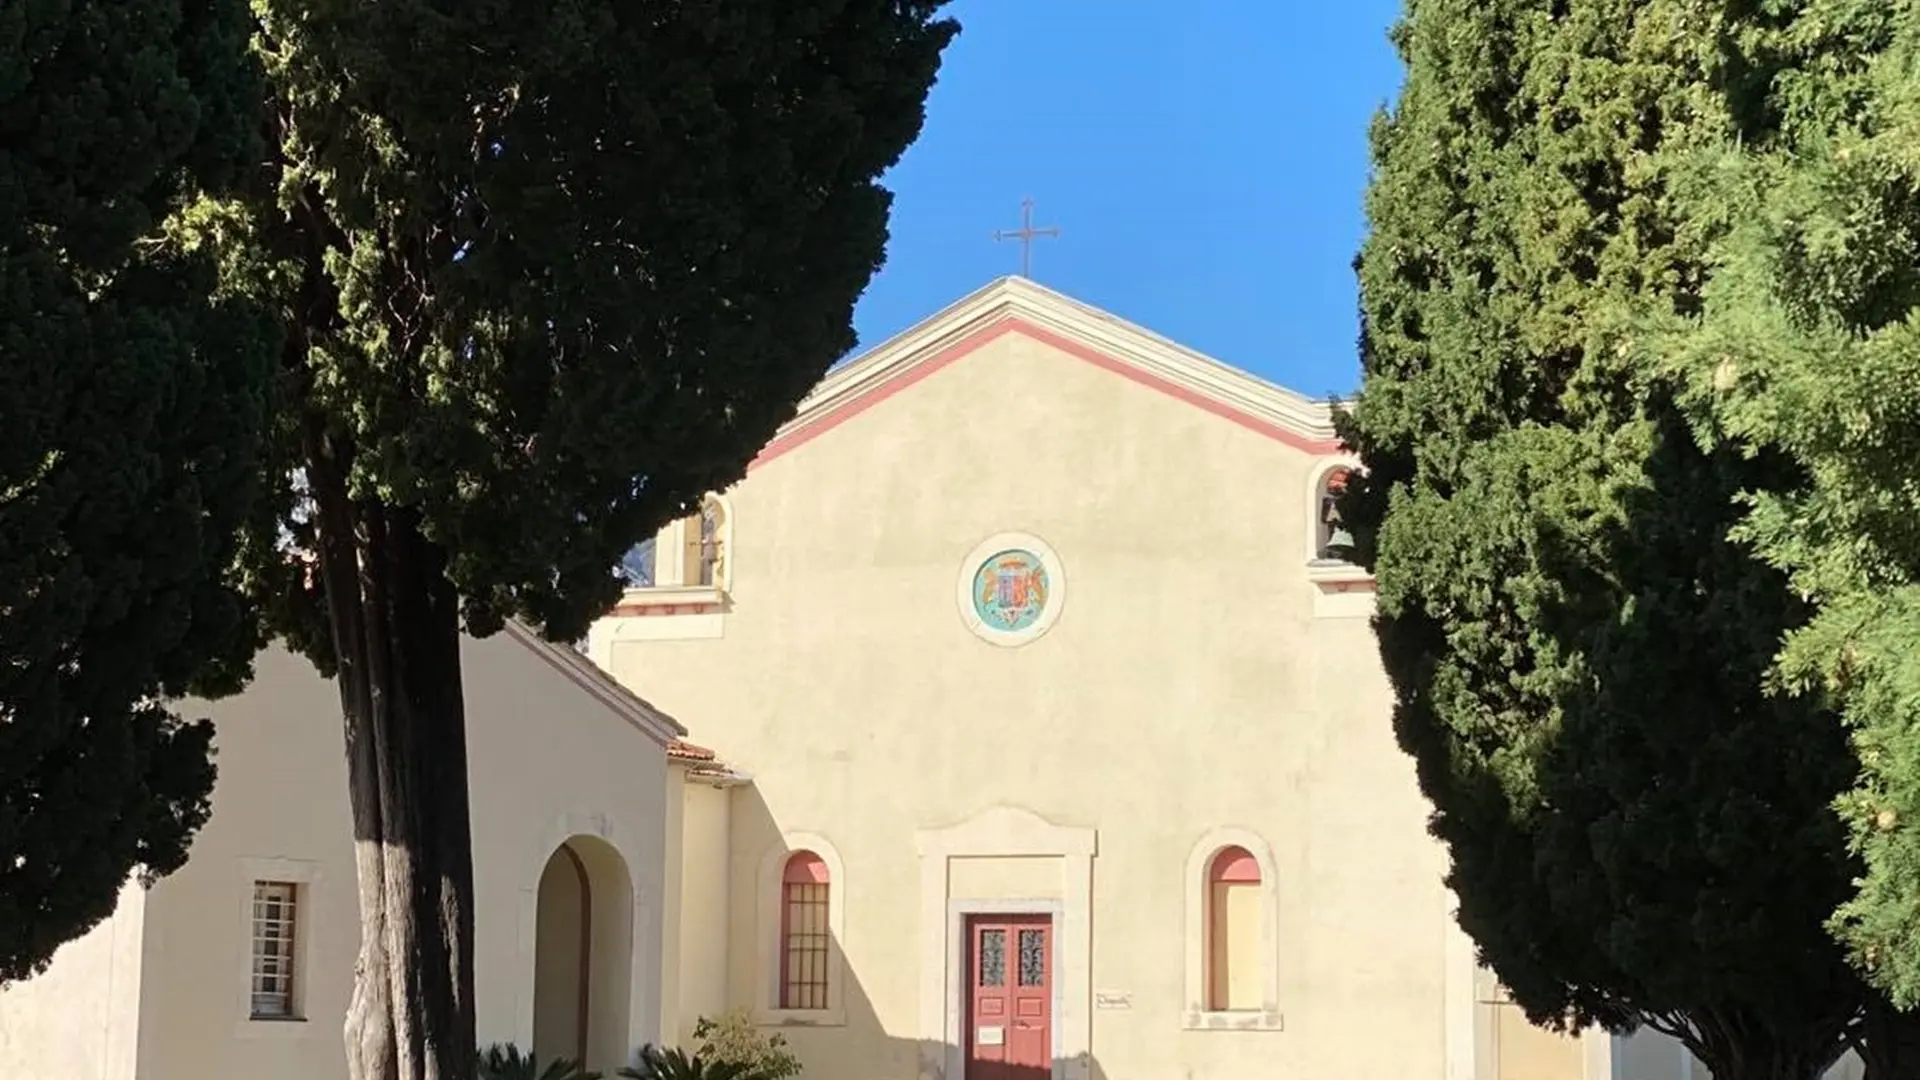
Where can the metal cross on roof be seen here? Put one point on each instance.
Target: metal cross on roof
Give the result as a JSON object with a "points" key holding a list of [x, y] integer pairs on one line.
{"points": [[1026, 234]]}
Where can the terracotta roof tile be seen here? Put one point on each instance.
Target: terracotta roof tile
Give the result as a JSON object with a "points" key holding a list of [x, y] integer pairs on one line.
{"points": [[682, 750]]}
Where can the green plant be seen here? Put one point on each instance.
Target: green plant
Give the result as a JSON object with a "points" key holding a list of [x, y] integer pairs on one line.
{"points": [[547, 275], [133, 399], [734, 1037], [1638, 832], [504, 1061], [677, 1064]]}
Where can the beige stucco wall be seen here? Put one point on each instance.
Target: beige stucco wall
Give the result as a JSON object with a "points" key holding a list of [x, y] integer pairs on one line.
{"points": [[546, 760], [1186, 688], [81, 1019], [696, 972]]}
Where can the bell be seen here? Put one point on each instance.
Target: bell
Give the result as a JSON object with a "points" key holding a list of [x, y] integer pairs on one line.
{"points": [[1339, 546]]}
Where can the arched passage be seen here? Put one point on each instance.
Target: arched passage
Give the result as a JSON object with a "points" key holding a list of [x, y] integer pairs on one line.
{"points": [[583, 955]]}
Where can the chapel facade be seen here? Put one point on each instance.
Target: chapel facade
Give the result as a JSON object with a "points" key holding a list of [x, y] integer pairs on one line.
{"points": [[1037, 733], [1043, 734]]}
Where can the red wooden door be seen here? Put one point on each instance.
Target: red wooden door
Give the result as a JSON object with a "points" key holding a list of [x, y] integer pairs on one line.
{"points": [[1010, 997]]}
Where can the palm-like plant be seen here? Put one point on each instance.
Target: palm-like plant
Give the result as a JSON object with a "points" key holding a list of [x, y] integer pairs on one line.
{"points": [[506, 1062], [677, 1064]]}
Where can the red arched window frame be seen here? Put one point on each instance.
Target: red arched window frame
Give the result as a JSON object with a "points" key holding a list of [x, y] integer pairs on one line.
{"points": [[805, 939], [1233, 868]]}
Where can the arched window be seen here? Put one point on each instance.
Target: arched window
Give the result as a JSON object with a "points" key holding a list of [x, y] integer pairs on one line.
{"points": [[1333, 543], [799, 944], [1233, 932], [806, 937], [705, 537]]}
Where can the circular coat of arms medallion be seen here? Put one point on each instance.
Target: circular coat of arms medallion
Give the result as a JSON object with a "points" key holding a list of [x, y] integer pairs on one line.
{"points": [[1010, 591], [1010, 588]]}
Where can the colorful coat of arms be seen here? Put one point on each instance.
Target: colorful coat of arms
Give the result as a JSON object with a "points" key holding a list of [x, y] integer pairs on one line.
{"points": [[1010, 590]]}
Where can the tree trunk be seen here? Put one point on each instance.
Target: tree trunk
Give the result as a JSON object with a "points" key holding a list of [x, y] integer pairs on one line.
{"points": [[395, 624], [1890, 1042], [1737, 1045]]}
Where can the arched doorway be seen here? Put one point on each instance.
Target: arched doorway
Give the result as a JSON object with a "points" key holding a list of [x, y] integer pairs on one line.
{"points": [[583, 956]]}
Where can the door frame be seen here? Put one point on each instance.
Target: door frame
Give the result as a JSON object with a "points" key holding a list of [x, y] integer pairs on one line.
{"points": [[960, 974], [1000, 832]]}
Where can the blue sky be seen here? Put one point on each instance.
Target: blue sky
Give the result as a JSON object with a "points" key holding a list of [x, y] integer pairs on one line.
{"points": [[1205, 162]]}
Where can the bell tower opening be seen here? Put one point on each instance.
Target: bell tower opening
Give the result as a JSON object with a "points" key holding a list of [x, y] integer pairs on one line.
{"points": [[1333, 543]]}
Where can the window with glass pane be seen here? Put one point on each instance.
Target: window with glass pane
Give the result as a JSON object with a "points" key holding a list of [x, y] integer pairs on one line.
{"points": [[275, 925], [709, 541], [803, 968], [1033, 958], [993, 958], [637, 565]]}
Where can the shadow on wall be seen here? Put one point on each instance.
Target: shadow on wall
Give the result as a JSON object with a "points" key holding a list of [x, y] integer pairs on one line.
{"points": [[842, 1023], [583, 950]]}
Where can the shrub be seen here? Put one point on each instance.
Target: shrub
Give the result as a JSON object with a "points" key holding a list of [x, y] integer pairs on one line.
{"points": [[733, 1037]]}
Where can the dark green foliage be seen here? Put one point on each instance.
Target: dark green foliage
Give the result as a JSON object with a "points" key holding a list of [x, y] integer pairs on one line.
{"points": [[1809, 345], [550, 272], [677, 1064], [132, 407], [563, 269], [1639, 834], [506, 1062]]}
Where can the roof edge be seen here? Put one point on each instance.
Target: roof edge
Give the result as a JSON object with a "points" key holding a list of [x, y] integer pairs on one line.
{"points": [[1016, 303], [1308, 417], [600, 685]]}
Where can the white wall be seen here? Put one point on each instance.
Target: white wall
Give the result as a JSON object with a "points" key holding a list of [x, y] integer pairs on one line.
{"points": [[705, 882], [549, 758], [80, 1020]]}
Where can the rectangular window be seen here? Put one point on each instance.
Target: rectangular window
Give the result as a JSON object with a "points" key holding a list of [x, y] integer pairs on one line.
{"points": [[803, 965], [275, 924]]}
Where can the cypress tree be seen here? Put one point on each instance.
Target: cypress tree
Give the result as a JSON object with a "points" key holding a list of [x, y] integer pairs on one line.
{"points": [[549, 273], [1808, 346], [1640, 834], [133, 404]]}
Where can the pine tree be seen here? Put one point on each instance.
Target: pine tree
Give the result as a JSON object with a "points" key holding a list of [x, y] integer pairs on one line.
{"points": [[132, 407], [550, 273], [1639, 833], [1807, 345]]}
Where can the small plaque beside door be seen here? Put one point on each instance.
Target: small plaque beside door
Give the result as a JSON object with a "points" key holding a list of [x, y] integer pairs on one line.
{"points": [[990, 1036]]}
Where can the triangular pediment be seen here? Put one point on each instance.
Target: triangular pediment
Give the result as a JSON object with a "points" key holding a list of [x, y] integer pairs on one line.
{"points": [[1016, 305]]}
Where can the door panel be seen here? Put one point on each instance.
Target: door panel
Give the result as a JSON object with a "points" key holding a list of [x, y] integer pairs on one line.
{"points": [[1009, 1031]]}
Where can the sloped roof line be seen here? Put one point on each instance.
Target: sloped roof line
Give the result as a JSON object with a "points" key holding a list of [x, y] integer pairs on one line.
{"points": [[1017, 305], [600, 685]]}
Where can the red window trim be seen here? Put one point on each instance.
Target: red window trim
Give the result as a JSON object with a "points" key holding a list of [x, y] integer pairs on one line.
{"points": [[1234, 866]]}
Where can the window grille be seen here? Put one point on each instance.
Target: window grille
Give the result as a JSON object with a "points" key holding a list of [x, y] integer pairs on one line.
{"points": [[275, 923], [803, 968]]}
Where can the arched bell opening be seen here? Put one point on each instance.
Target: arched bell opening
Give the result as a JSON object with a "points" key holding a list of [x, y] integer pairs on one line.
{"points": [[1333, 541]]}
